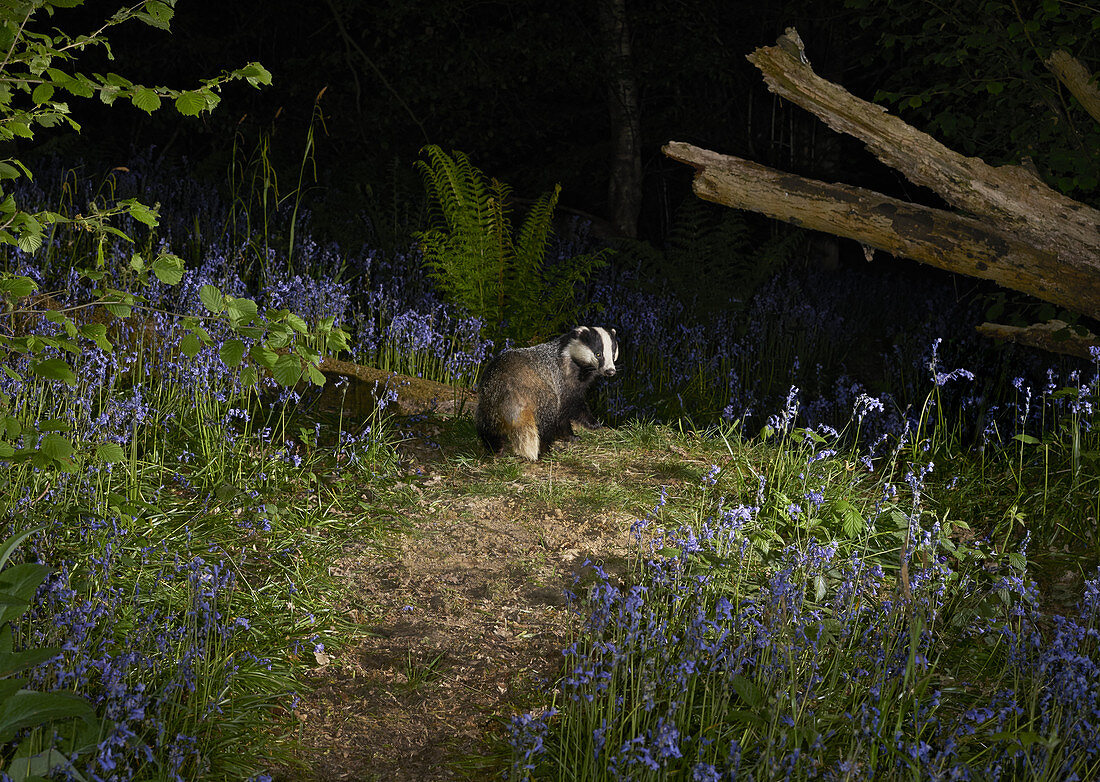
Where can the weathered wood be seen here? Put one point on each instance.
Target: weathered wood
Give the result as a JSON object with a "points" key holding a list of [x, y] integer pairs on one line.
{"points": [[1080, 83], [1014, 230], [934, 236], [1054, 336]]}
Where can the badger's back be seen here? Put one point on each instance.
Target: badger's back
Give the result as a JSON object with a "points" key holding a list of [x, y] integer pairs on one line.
{"points": [[518, 396]]}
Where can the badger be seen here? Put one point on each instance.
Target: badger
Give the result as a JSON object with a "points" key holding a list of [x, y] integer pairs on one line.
{"points": [[530, 397]]}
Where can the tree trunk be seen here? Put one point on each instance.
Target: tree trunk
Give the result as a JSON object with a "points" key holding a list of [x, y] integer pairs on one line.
{"points": [[1018, 232], [624, 193]]}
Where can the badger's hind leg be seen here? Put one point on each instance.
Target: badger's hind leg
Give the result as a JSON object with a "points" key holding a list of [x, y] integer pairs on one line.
{"points": [[523, 435]]}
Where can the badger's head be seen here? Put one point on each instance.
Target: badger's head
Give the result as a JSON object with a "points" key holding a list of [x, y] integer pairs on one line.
{"points": [[593, 349]]}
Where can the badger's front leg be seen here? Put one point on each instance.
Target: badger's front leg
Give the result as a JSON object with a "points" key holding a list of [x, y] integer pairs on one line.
{"points": [[585, 418]]}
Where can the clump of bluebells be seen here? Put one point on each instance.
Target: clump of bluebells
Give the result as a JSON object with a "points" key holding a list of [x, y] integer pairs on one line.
{"points": [[744, 647]]}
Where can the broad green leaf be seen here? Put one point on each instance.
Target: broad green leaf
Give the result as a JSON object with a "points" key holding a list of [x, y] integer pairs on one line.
{"points": [[212, 298], [141, 212], [110, 452], [169, 269], [9, 545], [27, 709], [232, 352], [13, 662], [54, 425], [42, 93], [315, 375], [118, 309], [287, 370], [296, 323], [56, 447], [255, 74], [249, 377], [241, 311], [263, 355], [190, 103], [97, 333], [190, 345], [17, 287], [54, 369], [146, 99]]}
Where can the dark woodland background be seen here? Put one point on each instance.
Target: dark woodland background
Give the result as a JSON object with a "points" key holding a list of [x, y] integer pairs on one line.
{"points": [[523, 88]]}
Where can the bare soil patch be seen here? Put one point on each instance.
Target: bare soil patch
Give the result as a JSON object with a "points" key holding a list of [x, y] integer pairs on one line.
{"points": [[464, 617]]}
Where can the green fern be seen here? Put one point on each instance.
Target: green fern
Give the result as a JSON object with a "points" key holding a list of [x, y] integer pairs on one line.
{"points": [[480, 265]]}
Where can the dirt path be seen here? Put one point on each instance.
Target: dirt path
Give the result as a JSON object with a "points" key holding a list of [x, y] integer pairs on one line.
{"points": [[464, 617]]}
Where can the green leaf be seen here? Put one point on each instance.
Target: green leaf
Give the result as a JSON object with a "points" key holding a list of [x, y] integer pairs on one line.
{"points": [[255, 74], [54, 425], [315, 375], [141, 212], [56, 447], [747, 690], [232, 352], [54, 369], [17, 287], [11, 544], [263, 355], [212, 298], [190, 345], [97, 333], [1026, 439], [13, 662], [42, 93], [27, 709], [146, 99], [241, 311], [168, 268], [249, 377], [190, 103], [296, 323], [110, 452], [287, 370]]}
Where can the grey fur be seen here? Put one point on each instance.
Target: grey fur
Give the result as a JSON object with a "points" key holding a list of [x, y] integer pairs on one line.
{"points": [[530, 397]]}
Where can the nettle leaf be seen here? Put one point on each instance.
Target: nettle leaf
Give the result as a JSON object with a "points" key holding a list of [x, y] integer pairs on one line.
{"points": [[232, 352], [146, 99], [141, 212], [54, 369], [190, 103], [169, 269]]}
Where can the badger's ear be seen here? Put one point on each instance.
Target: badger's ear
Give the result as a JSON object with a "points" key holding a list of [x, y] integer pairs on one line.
{"points": [[613, 332]]}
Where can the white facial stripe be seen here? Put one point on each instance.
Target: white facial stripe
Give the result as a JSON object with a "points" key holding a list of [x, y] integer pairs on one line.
{"points": [[609, 350], [582, 354]]}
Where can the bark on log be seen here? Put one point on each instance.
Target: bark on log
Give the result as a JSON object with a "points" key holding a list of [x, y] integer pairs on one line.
{"points": [[1080, 83], [1053, 336], [1020, 233]]}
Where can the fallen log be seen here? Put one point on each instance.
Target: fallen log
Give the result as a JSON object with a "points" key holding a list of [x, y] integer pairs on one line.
{"points": [[1010, 228]]}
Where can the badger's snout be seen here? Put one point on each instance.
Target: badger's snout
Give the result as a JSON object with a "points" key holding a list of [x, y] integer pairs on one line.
{"points": [[608, 371]]}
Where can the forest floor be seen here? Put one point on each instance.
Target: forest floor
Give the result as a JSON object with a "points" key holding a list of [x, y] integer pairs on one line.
{"points": [[462, 614]]}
